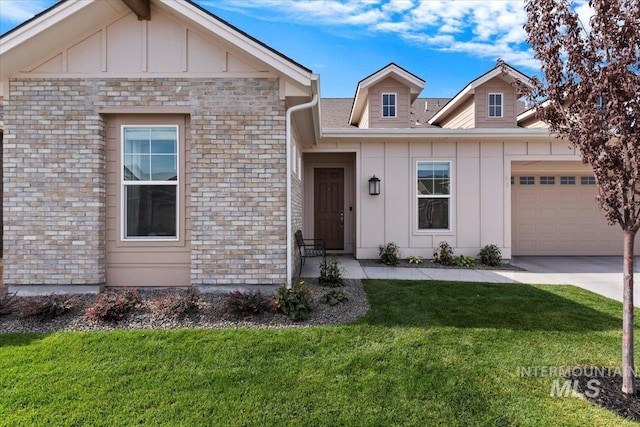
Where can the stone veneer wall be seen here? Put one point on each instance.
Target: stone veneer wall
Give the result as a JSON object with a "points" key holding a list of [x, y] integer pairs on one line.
{"points": [[55, 185]]}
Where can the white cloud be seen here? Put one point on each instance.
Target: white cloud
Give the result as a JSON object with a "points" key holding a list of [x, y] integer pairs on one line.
{"points": [[489, 29], [17, 11]]}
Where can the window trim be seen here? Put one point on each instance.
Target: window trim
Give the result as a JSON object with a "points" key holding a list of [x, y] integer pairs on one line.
{"points": [[416, 197], [395, 105], [123, 184], [489, 105]]}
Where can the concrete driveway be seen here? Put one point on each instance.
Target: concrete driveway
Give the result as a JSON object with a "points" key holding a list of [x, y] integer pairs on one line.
{"points": [[598, 274]]}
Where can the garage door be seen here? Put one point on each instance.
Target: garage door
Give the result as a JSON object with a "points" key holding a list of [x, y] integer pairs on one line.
{"points": [[556, 214]]}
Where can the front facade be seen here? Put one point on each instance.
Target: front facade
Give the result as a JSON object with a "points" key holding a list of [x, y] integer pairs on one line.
{"points": [[166, 152]]}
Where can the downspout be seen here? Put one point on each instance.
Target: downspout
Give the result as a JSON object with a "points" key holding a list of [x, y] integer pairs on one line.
{"points": [[290, 111]]}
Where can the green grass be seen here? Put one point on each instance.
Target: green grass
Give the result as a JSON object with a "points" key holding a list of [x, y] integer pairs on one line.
{"points": [[428, 353]]}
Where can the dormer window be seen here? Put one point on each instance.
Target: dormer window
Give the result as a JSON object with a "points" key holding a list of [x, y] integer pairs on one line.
{"points": [[389, 106], [495, 105]]}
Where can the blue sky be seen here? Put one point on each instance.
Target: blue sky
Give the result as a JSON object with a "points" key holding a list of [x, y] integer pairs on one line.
{"points": [[446, 43]]}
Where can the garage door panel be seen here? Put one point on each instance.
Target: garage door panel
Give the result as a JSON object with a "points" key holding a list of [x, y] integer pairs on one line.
{"points": [[560, 220]]}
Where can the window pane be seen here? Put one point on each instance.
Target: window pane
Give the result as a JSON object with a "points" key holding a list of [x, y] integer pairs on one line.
{"points": [[433, 178], [164, 168], [136, 167], [151, 210], [433, 214]]}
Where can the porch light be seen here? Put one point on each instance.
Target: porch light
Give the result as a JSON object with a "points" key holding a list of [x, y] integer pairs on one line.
{"points": [[374, 185]]}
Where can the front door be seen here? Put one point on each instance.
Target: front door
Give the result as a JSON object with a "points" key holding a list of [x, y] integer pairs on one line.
{"points": [[329, 206]]}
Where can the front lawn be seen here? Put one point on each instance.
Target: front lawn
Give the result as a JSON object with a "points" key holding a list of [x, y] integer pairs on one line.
{"points": [[428, 353]]}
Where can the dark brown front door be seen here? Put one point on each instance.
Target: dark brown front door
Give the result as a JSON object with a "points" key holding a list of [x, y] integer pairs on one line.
{"points": [[329, 206]]}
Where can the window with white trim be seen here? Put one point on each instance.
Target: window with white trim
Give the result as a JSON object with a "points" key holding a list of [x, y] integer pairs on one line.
{"points": [[547, 180], [434, 195], [495, 105], [587, 180], [150, 182], [527, 180], [389, 105], [567, 180]]}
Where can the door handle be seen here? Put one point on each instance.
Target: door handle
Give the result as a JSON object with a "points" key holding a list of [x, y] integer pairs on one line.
{"points": [[342, 218]]}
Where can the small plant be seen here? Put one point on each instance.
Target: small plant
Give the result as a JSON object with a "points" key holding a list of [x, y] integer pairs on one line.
{"points": [[244, 305], [443, 254], [389, 254], [490, 255], [8, 302], [334, 297], [464, 261], [331, 273], [295, 302], [414, 259], [176, 304], [113, 305], [46, 308]]}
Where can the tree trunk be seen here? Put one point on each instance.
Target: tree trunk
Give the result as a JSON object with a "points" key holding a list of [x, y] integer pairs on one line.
{"points": [[628, 368]]}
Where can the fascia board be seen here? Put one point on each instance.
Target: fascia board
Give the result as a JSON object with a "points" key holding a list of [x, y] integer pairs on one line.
{"points": [[363, 134]]}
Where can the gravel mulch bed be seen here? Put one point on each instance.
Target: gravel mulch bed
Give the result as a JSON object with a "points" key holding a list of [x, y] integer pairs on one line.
{"points": [[606, 391], [208, 315], [427, 263]]}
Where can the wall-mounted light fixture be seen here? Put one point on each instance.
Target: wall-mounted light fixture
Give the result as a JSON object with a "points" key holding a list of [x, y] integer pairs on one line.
{"points": [[374, 185]]}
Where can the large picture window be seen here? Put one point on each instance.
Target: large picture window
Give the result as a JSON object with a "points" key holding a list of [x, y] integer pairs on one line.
{"points": [[434, 195], [150, 182]]}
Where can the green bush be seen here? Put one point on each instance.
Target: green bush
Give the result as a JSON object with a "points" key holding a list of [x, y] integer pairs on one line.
{"points": [[331, 273], [490, 255], [443, 254], [389, 254], [464, 261], [296, 302], [334, 297], [244, 304], [414, 259]]}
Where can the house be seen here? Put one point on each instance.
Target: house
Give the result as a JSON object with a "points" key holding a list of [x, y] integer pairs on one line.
{"points": [[150, 143]]}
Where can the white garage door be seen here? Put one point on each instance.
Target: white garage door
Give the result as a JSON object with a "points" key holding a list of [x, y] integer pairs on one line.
{"points": [[556, 214]]}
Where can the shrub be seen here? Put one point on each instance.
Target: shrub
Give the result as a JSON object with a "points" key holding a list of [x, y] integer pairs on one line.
{"points": [[47, 308], [8, 302], [464, 261], [176, 304], [113, 305], [443, 254], [244, 305], [414, 259], [389, 254], [334, 297], [295, 302], [331, 273], [490, 255]]}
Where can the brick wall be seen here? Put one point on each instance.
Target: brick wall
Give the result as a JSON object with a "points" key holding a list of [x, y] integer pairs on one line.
{"points": [[55, 203]]}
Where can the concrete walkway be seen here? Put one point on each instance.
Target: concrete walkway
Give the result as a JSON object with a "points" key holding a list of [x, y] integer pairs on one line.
{"points": [[601, 275]]}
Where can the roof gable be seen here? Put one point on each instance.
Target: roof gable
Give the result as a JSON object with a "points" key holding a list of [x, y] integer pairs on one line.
{"points": [[69, 22], [413, 82], [501, 70]]}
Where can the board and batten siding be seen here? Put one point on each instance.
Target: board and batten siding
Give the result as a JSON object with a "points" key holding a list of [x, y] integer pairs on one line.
{"points": [[149, 263]]}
